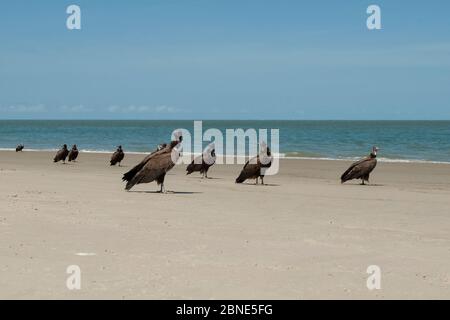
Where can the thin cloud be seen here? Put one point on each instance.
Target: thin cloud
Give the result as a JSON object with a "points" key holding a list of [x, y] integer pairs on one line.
{"points": [[75, 109], [142, 109], [21, 108]]}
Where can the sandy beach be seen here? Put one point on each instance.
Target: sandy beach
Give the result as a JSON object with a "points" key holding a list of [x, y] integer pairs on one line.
{"points": [[304, 235]]}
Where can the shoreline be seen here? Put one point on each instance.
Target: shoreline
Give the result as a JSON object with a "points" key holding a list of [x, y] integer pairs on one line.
{"points": [[301, 236], [280, 156]]}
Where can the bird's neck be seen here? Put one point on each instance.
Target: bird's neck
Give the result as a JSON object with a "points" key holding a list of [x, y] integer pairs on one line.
{"points": [[173, 144]]}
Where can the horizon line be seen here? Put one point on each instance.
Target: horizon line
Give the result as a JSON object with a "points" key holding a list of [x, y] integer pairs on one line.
{"points": [[230, 119]]}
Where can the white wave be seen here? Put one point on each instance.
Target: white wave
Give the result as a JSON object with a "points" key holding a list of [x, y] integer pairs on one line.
{"points": [[32, 150], [386, 160], [277, 155]]}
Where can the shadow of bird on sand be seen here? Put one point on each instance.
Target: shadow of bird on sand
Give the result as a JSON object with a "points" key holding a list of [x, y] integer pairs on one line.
{"points": [[208, 178], [167, 192], [262, 185], [364, 185]]}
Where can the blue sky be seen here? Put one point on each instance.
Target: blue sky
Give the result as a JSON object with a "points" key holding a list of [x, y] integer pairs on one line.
{"points": [[225, 59]]}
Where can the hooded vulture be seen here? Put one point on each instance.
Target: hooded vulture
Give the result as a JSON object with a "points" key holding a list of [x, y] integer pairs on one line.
{"points": [[256, 167], [361, 169], [117, 156], [73, 154], [62, 154], [204, 162], [155, 165]]}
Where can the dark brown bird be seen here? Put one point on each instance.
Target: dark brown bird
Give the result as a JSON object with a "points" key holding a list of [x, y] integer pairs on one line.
{"points": [[117, 156], [130, 174], [19, 147], [62, 154], [255, 167], [204, 162], [155, 165], [361, 169], [73, 154]]}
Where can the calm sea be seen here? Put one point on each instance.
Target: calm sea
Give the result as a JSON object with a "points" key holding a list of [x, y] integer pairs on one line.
{"points": [[398, 140]]}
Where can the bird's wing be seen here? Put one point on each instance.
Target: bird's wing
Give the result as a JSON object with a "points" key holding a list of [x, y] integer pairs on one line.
{"points": [[250, 170], [135, 170], [366, 167], [252, 161], [359, 168], [115, 155], [194, 165], [156, 166], [353, 165], [59, 154]]}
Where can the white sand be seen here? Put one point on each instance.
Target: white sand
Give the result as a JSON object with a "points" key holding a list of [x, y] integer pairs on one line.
{"points": [[303, 236]]}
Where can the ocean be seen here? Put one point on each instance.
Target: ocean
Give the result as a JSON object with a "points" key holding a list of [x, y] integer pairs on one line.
{"points": [[399, 141]]}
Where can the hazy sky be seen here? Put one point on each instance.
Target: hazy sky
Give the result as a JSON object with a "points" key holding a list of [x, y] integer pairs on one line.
{"points": [[225, 59]]}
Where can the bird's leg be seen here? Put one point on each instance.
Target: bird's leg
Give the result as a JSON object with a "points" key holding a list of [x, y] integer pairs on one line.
{"points": [[119, 164], [262, 180], [163, 190], [256, 181], [362, 183]]}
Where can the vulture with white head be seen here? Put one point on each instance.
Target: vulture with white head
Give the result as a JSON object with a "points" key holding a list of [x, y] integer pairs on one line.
{"points": [[156, 165], [204, 162], [256, 167], [361, 169]]}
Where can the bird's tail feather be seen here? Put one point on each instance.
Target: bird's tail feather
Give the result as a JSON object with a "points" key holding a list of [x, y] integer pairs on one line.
{"points": [[189, 169], [130, 174], [137, 179], [345, 176], [130, 185], [240, 179]]}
